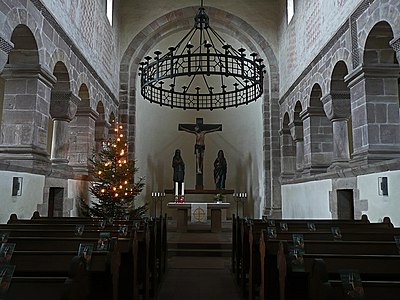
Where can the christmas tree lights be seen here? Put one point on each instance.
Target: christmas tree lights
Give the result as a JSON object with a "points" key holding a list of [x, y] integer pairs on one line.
{"points": [[113, 181]]}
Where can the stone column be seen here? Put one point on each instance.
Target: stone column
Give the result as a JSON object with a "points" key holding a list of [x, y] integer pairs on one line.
{"points": [[24, 128], [288, 154], [102, 132], [296, 130], [317, 141], [82, 141], [62, 109], [375, 113], [338, 110]]}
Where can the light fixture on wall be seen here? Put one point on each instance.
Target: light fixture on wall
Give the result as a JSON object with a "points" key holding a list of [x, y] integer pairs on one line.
{"points": [[202, 72]]}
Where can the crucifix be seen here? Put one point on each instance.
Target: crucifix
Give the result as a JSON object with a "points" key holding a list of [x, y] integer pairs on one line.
{"points": [[199, 129]]}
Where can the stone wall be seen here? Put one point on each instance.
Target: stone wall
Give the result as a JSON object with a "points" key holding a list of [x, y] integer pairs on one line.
{"points": [[58, 97]]}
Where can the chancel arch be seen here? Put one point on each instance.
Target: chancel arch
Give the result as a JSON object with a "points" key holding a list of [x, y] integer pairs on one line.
{"points": [[164, 32]]}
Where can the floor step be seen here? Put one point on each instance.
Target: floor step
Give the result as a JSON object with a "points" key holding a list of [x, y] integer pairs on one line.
{"points": [[200, 252]]}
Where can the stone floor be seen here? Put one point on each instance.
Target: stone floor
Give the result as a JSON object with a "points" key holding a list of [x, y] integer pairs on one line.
{"points": [[200, 277]]}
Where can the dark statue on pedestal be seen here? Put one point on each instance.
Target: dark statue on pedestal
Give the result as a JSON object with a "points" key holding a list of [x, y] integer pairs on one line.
{"points": [[179, 169], [220, 169]]}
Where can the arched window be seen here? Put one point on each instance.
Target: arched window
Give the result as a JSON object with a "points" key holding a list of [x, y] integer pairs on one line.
{"points": [[109, 11], [290, 10]]}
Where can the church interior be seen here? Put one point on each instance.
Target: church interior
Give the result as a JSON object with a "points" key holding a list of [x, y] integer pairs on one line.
{"points": [[314, 134]]}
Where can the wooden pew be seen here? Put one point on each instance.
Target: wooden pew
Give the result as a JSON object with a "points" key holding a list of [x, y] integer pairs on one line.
{"points": [[378, 268], [146, 253], [359, 230], [103, 274]]}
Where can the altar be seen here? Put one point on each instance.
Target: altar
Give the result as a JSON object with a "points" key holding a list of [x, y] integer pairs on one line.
{"points": [[182, 214]]}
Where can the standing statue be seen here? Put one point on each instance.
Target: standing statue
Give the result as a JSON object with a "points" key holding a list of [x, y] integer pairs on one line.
{"points": [[179, 168], [220, 168]]}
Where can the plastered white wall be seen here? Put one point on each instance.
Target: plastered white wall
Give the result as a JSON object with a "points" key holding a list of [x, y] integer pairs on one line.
{"points": [[157, 137], [24, 205], [308, 200], [381, 206]]}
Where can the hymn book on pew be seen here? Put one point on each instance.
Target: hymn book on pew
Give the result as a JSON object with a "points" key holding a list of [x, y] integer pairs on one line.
{"points": [[397, 240], [85, 251], [6, 273], [352, 284], [6, 251], [337, 234], [103, 243], [123, 231], [79, 230], [4, 236]]}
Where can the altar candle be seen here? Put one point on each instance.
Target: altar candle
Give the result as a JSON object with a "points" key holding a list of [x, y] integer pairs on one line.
{"points": [[176, 188], [183, 188]]}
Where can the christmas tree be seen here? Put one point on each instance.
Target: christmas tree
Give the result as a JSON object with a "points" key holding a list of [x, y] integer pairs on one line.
{"points": [[113, 181]]}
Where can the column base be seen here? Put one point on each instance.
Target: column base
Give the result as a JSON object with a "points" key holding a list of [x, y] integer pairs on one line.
{"points": [[372, 156], [313, 170], [338, 165]]}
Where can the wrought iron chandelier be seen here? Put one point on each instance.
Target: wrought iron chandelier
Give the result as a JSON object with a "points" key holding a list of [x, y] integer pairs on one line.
{"points": [[202, 72]]}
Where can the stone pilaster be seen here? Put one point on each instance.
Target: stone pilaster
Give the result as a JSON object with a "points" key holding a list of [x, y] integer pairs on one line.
{"points": [[103, 131], [317, 141], [375, 113], [296, 130], [338, 110], [288, 154], [24, 128], [82, 141]]}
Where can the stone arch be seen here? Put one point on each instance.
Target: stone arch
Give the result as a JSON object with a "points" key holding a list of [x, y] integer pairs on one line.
{"points": [[25, 50], [377, 49], [60, 56], [316, 82], [20, 16], [82, 79], [386, 13], [231, 25]]}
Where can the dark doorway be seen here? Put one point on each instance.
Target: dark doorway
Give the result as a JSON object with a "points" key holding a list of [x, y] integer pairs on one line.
{"points": [[56, 196], [345, 203]]}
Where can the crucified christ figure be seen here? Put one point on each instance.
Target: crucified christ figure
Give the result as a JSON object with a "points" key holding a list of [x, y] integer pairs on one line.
{"points": [[200, 130]]}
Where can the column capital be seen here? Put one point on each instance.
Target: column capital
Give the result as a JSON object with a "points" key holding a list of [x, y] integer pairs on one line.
{"points": [[311, 112], [63, 105], [337, 105], [296, 130], [89, 112]]}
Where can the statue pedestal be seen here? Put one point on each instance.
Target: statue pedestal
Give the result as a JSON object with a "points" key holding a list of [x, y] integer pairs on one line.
{"points": [[201, 192]]}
